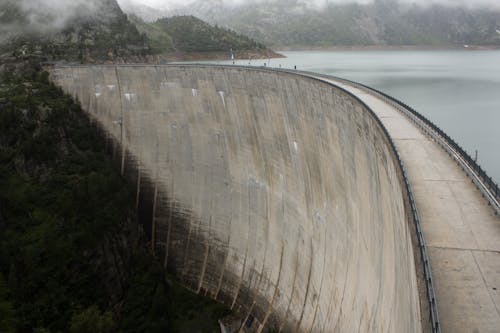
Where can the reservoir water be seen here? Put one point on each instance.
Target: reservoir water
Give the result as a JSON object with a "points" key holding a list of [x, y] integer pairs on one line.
{"points": [[459, 90]]}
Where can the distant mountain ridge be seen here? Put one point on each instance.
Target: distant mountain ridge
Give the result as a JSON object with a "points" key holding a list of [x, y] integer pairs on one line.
{"points": [[383, 22]]}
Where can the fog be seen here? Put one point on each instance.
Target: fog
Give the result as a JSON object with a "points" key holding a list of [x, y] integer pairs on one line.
{"points": [[46, 15], [42, 16], [56, 13], [169, 4]]}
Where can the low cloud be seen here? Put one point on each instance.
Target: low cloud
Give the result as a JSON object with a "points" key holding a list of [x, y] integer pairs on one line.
{"points": [[55, 14], [42, 16], [170, 4]]}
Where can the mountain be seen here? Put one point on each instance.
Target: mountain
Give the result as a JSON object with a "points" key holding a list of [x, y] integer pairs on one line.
{"points": [[190, 34], [96, 31], [85, 32], [381, 22], [146, 13]]}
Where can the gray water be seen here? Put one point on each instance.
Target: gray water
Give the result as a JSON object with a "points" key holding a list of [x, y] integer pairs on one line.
{"points": [[457, 90]]}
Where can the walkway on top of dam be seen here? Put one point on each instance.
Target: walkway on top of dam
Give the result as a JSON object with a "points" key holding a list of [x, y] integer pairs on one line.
{"points": [[461, 230]]}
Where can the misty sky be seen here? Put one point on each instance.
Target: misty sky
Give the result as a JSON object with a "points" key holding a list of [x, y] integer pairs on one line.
{"points": [[175, 3]]}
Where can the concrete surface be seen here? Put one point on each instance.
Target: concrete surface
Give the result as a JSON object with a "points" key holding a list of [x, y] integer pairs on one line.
{"points": [[274, 193], [461, 231]]}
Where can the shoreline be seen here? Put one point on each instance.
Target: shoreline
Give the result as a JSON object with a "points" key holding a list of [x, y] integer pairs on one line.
{"points": [[389, 48], [202, 56], [157, 58]]}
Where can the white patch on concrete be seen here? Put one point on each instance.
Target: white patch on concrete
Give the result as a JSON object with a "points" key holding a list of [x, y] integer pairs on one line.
{"points": [[318, 218], [111, 87], [256, 183], [194, 92], [98, 90], [166, 84], [129, 96], [253, 182], [221, 94], [295, 146]]}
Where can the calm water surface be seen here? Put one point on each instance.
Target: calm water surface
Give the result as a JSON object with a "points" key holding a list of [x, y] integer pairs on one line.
{"points": [[458, 90]]}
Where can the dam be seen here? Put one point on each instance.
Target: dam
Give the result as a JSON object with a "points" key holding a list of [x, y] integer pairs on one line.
{"points": [[283, 196]]}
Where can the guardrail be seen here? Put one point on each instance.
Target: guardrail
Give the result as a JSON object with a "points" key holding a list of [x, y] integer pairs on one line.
{"points": [[489, 189]]}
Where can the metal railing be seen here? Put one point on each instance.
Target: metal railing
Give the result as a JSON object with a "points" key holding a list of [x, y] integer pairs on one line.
{"points": [[489, 189]]}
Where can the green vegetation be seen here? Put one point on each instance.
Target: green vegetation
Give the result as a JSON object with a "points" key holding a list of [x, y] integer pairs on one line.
{"points": [[85, 39], [11, 13], [108, 35], [71, 258], [190, 34], [160, 40]]}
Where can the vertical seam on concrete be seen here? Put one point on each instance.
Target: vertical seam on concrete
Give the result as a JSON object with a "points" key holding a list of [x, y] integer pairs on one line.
{"points": [[267, 210], [246, 250], [186, 248], [240, 330], [138, 187], [261, 274], [226, 253], [320, 286], [188, 241], [219, 283], [281, 259], [124, 152], [205, 260], [171, 204], [239, 283], [307, 287], [224, 265], [169, 221], [293, 292], [122, 165], [153, 220], [342, 299], [276, 288], [289, 137]]}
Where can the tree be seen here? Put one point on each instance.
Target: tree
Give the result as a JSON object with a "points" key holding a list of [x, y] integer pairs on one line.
{"points": [[91, 320]]}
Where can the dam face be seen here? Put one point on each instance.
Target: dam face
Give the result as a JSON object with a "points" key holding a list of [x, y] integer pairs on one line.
{"points": [[276, 194]]}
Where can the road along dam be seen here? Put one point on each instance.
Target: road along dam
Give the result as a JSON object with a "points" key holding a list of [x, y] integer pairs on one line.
{"points": [[278, 194]]}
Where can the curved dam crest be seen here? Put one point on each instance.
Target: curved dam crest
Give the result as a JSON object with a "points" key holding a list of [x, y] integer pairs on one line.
{"points": [[276, 194]]}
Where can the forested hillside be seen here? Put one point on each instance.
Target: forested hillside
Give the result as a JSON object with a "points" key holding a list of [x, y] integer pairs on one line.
{"points": [[190, 34], [97, 31], [101, 31], [72, 257]]}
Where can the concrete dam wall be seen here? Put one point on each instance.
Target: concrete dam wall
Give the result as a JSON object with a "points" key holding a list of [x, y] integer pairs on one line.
{"points": [[276, 194]]}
